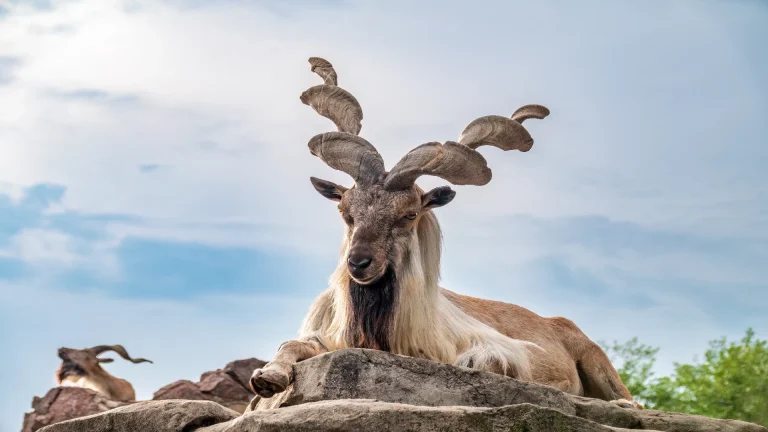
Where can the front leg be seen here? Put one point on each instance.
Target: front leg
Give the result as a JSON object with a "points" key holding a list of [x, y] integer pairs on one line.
{"points": [[275, 376]]}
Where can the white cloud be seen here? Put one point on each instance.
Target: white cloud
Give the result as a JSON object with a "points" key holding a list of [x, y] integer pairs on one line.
{"points": [[14, 192], [40, 245], [232, 233]]}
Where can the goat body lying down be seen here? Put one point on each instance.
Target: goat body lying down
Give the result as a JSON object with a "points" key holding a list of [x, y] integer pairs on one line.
{"points": [[82, 368], [384, 293]]}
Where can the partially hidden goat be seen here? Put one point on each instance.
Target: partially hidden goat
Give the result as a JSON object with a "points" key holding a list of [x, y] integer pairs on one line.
{"points": [[82, 368], [384, 293]]}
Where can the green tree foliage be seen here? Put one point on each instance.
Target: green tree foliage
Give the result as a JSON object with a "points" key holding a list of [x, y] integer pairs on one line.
{"points": [[730, 382]]}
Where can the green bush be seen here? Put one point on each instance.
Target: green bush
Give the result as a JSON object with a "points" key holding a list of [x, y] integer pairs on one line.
{"points": [[731, 382]]}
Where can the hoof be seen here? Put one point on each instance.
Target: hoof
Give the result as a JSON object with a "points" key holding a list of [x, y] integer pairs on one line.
{"points": [[267, 382], [624, 403]]}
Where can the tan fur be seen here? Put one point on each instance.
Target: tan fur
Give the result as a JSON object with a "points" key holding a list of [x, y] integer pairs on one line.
{"points": [[82, 368], [563, 343], [97, 379], [101, 381]]}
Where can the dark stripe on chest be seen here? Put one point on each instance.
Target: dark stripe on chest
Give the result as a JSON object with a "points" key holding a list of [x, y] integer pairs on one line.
{"points": [[372, 310]]}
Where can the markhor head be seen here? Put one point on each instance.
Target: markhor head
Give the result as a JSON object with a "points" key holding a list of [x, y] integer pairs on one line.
{"points": [[383, 208]]}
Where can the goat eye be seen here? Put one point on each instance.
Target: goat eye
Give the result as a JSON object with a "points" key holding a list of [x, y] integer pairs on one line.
{"points": [[411, 216], [346, 216]]}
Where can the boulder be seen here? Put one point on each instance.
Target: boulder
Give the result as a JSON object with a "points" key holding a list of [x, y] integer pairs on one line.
{"points": [[64, 403], [370, 374], [369, 415], [182, 389], [338, 416], [225, 390], [228, 386], [241, 370], [150, 416]]}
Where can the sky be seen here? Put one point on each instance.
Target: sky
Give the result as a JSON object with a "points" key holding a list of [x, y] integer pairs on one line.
{"points": [[154, 174]]}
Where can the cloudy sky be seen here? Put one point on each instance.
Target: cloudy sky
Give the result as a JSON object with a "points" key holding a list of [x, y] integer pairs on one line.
{"points": [[154, 174]]}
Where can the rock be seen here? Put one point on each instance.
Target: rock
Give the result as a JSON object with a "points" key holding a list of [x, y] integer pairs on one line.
{"points": [[150, 416], [64, 403], [370, 374], [370, 415], [183, 389], [241, 370], [228, 386], [361, 390], [596, 410], [215, 386], [226, 390]]}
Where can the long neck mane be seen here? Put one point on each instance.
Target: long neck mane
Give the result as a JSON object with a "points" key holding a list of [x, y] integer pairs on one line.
{"points": [[398, 312]]}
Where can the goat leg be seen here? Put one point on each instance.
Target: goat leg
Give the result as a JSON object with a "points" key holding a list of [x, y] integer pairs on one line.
{"points": [[276, 375]]}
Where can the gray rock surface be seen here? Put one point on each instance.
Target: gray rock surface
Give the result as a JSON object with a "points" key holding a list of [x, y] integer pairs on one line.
{"points": [[369, 374], [150, 416], [368, 415]]}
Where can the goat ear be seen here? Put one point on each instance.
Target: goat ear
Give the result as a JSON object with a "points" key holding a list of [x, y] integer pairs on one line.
{"points": [[437, 197], [105, 360], [330, 190]]}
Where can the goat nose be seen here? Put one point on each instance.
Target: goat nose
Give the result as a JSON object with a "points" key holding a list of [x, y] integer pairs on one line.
{"points": [[359, 261]]}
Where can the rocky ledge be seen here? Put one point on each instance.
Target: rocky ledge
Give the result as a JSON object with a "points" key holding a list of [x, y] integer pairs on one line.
{"points": [[359, 390], [228, 387], [64, 403]]}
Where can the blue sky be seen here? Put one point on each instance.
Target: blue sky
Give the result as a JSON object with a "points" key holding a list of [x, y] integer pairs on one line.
{"points": [[154, 176]]}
